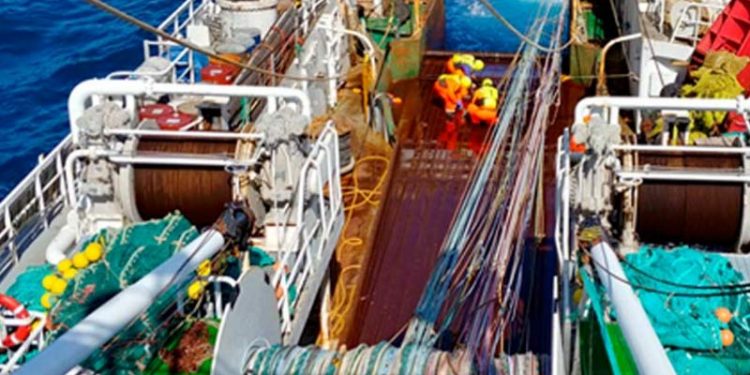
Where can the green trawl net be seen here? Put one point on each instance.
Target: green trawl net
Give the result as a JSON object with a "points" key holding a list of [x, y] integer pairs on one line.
{"points": [[129, 254], [27, 289], [688, 325]]}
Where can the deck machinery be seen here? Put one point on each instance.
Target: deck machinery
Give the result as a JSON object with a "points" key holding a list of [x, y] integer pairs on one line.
{"points": [[652, 211], [211, 189]]}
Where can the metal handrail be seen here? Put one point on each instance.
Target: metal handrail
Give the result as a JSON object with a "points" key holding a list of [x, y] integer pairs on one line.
{"points": [[298, 259], [32, 205], [684, 20], [189, 10]]}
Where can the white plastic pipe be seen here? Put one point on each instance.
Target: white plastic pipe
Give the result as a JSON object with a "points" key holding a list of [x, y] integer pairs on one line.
{"points": [[109, 319], [59, 245], [84, 91], [648, 353], [585, 106]]}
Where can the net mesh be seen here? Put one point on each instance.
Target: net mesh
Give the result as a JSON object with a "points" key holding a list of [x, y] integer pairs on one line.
{"points": [[27, 289], [129, 254], [688, 325]]}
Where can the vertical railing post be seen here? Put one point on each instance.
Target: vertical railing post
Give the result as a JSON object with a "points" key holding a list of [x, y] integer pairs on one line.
{"points": [[11, 234], [60, 173], [39, 193]]}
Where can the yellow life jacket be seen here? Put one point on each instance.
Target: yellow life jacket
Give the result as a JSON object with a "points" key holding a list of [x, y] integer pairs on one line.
{"points": [[486, 97], [444, 80], [463, 58]]}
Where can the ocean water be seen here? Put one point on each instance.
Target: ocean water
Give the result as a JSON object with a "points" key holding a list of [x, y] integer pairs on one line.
{"points": [[47, 48], [50, 46], [469, 26]]}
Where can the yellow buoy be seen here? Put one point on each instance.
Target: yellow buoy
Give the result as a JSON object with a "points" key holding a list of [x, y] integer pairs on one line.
{"points": [[93, 252], [47, 300], [59, 286], [204, 269], [69, 273], [64, 265], [196, 288], [80, 261], [48, 282]]}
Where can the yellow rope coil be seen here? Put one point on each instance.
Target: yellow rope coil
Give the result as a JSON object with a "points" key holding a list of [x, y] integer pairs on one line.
{"points": [[355, 198]]}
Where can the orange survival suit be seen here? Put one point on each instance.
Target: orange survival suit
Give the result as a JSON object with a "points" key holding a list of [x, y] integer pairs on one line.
{"points": [[483, 106], [452, 88]]}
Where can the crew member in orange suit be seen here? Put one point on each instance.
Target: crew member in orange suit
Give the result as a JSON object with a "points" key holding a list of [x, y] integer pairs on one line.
{"points": [[452, 89], [483, 106]]}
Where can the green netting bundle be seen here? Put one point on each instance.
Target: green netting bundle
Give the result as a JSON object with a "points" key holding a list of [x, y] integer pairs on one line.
{"points": [[689, 364], [690, 323], [27, 289], [129, 254], [715, 79]]}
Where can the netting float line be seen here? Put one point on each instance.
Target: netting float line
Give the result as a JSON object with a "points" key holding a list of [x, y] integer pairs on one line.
{"points": [[382, 358]]}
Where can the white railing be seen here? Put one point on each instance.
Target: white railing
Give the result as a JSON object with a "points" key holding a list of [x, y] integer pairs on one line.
{"points": [[181, 68], [655, 7], [178, 21], [309, 11], [309, 243], [35, 341], [182, 64], [562, 198], [32, 205], [181, 60], [690, 21]]}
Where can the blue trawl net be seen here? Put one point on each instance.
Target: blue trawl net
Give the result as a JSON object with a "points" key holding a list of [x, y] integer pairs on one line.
{"points": [[688, 325]]}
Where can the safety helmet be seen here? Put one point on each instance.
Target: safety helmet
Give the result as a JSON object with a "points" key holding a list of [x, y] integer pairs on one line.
{"points": [[465, 82], [478, 65], [487, 82]]}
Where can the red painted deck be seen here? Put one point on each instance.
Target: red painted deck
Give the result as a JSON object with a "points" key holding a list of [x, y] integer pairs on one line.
{"points": [[432, 164]]}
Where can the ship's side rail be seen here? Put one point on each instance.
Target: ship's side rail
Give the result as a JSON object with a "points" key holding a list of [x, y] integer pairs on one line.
{"points": [[178, 21], [310, 232], [273, 54], [691, 21], [32, 205], [182, 60], [279, 51]]}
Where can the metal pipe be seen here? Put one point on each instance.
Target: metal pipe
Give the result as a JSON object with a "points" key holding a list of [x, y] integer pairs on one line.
{"points": [[186, 134], [170, 159], [358, 35], [687, 149], [100, 326], [601, 85], [585, 105], [648, 353], [83, 92], [684, 176], [191, 125]]}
